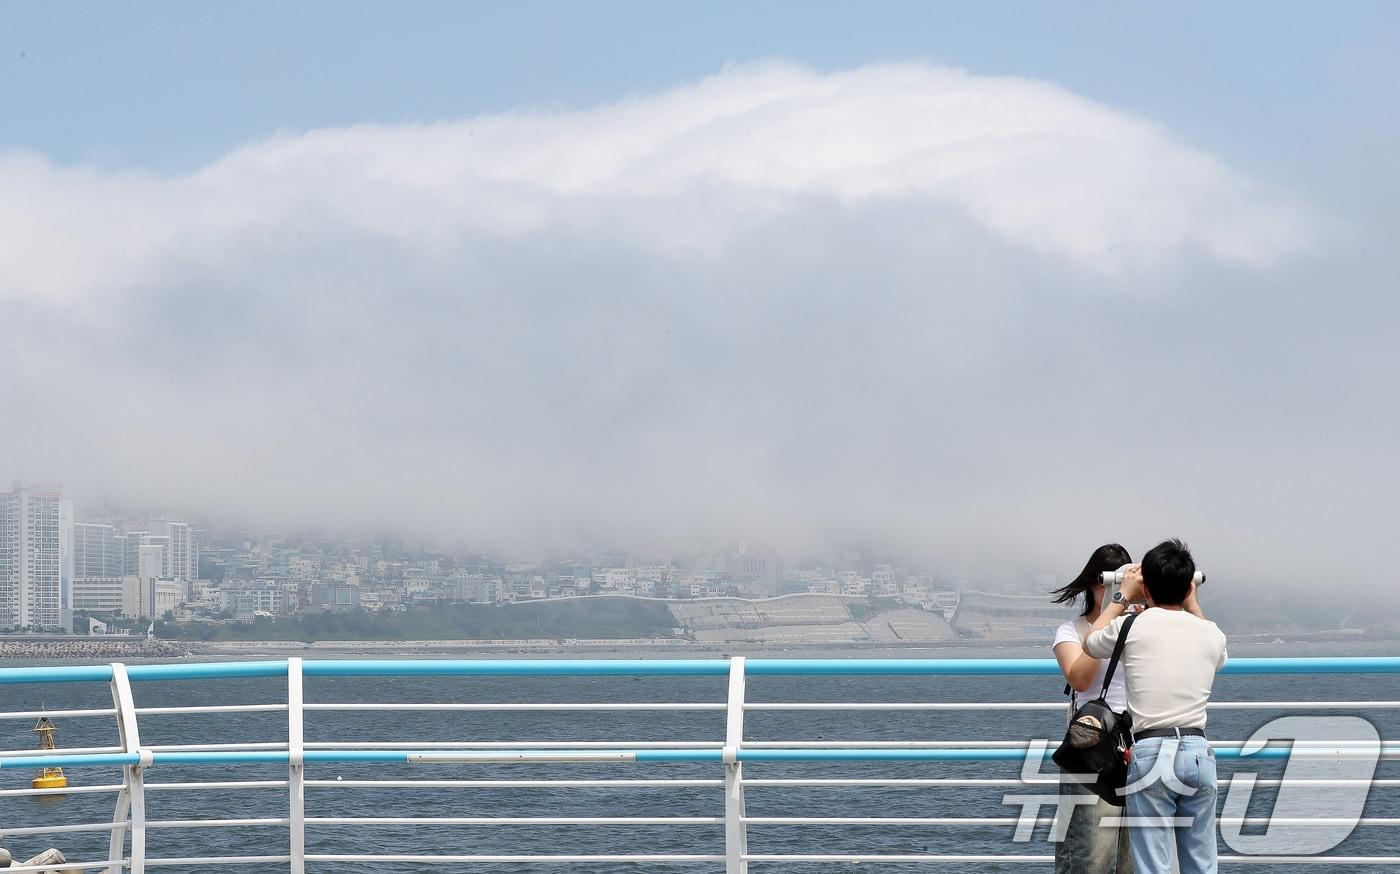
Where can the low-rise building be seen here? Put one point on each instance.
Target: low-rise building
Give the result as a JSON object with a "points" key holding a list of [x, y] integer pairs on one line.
{"points": [[473, 588], [267, 596], [335, 596], [98, 594], [151, 597]]}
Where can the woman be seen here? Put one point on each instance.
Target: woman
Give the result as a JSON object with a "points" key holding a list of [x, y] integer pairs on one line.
{"points": [[1088, 847]]}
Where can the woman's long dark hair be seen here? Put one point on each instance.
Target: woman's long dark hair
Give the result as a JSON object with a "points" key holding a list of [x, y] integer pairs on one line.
{"points": [[1109, 557]]}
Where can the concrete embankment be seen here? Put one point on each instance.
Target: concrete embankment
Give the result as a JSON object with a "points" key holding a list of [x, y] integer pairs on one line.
{"points": [[810, 619], [100, 650]]}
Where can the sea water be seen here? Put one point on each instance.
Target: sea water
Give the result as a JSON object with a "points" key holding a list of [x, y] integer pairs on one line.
{"points": [[1015, 727]]}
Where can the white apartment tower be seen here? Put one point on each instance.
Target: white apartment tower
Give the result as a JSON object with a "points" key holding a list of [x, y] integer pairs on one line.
{"points": [[36, 558], [97, 550], [148, 592], [181, 556], [132, 550], [99, 563]]}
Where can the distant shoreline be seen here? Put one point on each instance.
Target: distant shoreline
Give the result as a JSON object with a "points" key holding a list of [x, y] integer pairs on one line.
{"points": [[98, 648], [543, 645]]}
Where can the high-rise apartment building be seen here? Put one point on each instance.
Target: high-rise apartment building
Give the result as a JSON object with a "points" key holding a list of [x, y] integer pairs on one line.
{"points": [[181, 553], [164, 543], [149, 592], [98, 550], [99, 563], [132, 551], [36, 558]]}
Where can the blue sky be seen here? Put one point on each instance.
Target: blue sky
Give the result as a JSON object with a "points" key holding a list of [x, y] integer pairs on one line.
{"points": [[1278, 86]]}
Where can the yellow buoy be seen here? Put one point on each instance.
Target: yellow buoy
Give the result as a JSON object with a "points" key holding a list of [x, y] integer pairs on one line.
{"points": [[48, 778], [51, 778]]}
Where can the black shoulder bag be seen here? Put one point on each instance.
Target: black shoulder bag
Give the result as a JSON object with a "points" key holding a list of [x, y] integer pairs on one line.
{"points": [[1097, 741]]}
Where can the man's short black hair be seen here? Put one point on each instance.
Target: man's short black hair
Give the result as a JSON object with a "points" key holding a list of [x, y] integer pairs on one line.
{"points": [[1167, 569]]}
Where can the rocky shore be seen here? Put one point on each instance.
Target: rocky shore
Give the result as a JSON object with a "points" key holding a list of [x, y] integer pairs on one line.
{"points": [[99, 650]]}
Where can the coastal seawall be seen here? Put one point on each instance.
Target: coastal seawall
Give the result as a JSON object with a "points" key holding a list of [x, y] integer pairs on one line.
{"points": [[93, 649]]}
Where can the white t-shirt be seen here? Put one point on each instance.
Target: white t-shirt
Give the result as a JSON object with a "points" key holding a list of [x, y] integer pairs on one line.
{"points": [[1074, 631], [1169, 661]]}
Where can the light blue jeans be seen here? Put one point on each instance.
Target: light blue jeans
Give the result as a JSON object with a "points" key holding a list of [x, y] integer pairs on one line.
{"points": [[1183, 789]]}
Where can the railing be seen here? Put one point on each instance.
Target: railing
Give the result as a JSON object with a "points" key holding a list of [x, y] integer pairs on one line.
{"points": [[129, 827]]}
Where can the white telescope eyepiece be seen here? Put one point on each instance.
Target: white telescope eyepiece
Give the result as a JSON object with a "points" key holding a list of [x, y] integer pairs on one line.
{"points": [[1115, 578]]}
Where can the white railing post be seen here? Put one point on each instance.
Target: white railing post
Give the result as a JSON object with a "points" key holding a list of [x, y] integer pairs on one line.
{"points": [[296, 783], [736, 839], [132, 799]]}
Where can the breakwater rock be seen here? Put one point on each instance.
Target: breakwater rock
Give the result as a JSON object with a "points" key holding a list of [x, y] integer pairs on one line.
{"points": [[100, 650]]}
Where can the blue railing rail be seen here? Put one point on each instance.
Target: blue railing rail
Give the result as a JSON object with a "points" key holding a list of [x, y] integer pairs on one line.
{"points": [[730, 752], [647, 667]]}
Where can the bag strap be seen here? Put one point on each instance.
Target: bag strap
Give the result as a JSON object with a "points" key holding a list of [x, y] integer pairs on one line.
{"points": [[1117, 652]]}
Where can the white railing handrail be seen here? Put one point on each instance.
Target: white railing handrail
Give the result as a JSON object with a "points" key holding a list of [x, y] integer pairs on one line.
{"points": [[731, 752]]}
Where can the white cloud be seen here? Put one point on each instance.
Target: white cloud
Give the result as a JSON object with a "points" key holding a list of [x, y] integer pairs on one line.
{"points": [[694, 167], [886, 302]]}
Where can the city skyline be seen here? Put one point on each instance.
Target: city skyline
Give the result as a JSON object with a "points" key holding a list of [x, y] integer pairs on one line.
{"points": [[54, 564], [105, 570]]}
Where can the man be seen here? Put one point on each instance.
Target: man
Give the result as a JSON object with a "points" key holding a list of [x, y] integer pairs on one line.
{"points": [[1170, 660]]}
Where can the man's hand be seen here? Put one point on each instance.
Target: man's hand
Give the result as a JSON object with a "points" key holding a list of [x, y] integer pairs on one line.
{"points": [[1132, 587]]}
